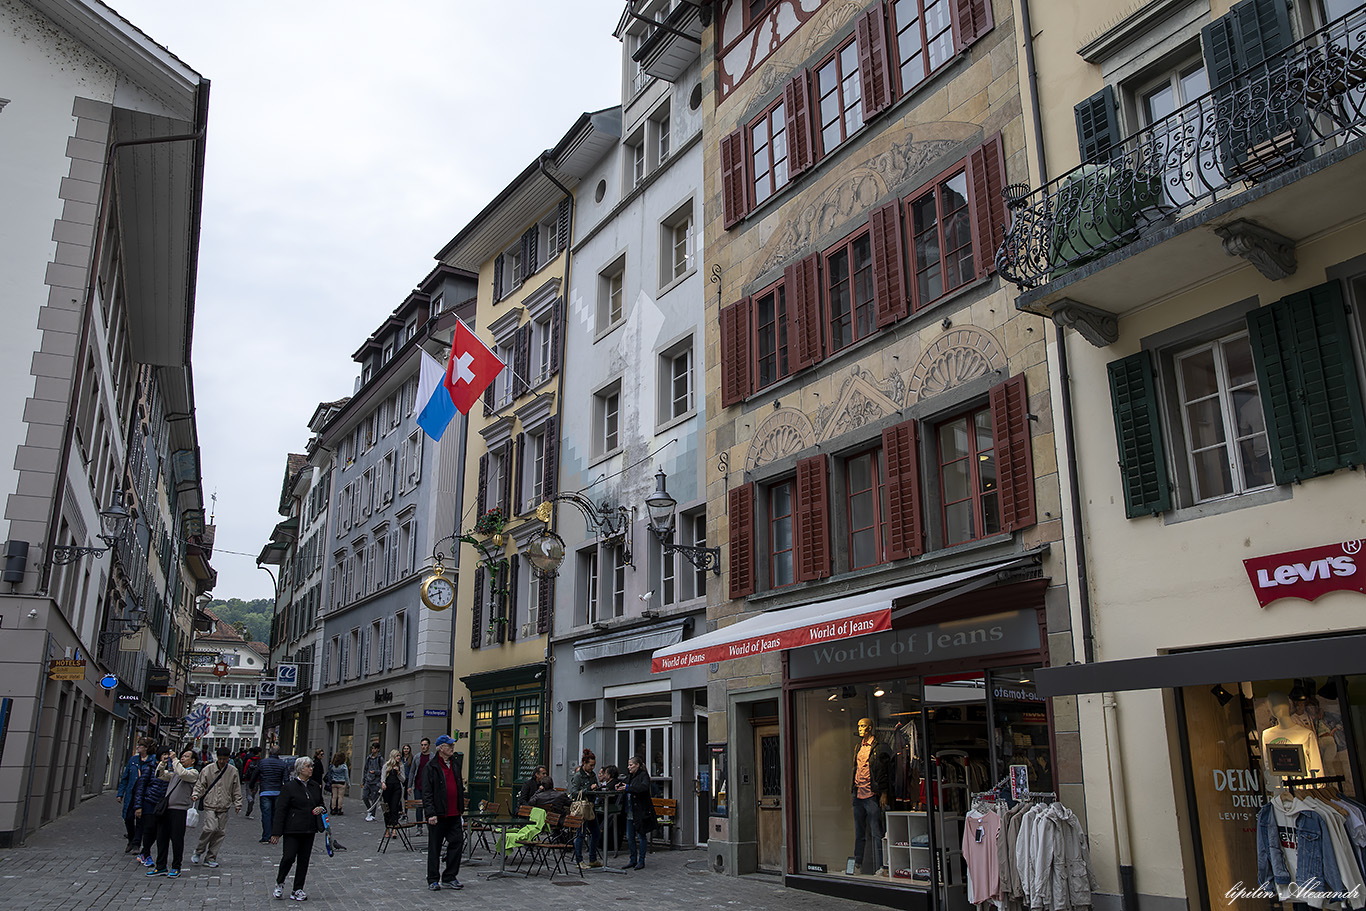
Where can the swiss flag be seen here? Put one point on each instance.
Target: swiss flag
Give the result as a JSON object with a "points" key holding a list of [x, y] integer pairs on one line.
{"points": [[471, 369]]}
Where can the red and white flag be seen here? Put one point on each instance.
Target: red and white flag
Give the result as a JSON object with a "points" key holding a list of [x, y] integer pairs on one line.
{"points": [[471, 369]]}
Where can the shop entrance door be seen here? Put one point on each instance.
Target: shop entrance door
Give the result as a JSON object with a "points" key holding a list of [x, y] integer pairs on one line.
{"points": [[769, 790], [505, 762]]}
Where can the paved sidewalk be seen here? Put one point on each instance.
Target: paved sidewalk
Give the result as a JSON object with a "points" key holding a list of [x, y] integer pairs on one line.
{"points": [[78, 862]]}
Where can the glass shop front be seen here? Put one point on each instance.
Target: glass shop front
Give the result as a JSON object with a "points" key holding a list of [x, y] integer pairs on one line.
{"points": [[933, 714], [1298, 740]]}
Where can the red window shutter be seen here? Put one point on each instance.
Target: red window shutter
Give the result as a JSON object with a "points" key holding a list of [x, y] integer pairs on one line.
{"points": [[987, 174], [1014, 455], [874, 70], [972, 20], [889, 263], [803, 314], [735, 353], [905, 528], [742, 541], [734, 192], [797, 112], [812, 528]]}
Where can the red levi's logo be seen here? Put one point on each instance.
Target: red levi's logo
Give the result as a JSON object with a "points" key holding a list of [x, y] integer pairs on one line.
{"points": [[1307, 574]]}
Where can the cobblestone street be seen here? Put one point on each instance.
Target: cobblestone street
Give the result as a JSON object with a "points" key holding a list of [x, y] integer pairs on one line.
{"points": [[77, 862]]}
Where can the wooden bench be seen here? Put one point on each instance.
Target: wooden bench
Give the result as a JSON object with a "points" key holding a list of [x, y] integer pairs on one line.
{"points": [[666, 811]]}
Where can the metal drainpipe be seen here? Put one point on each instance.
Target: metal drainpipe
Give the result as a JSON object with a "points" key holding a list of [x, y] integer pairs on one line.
{"points": [[548, 710], [1118, 791]]}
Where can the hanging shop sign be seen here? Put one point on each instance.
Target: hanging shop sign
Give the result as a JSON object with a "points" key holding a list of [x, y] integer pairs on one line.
{"points": [[265, 692], [109, 681], [66, 669], [1015, 631], [287, 676], [1307, 574]]}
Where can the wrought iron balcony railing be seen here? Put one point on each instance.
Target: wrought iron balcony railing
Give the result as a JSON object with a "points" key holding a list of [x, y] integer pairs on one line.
{"points": [[1304, 102]]}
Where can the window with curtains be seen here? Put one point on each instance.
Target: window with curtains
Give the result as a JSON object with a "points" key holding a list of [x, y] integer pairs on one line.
{"points": [[1247, 399]]}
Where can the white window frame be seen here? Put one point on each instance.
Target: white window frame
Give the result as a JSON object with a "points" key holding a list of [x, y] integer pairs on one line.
{"points": [[677, 245], [612, 295], [607, 423]]}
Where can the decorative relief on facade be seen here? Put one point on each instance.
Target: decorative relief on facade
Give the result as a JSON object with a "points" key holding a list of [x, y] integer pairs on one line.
{"points": [[956, 357], [859, 190], [738, 62], [783, 433], [862, 400]]}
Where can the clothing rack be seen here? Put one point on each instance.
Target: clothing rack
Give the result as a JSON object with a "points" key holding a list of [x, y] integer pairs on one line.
{"points": [[1047, 795], [993, 791], [1312, 781]]}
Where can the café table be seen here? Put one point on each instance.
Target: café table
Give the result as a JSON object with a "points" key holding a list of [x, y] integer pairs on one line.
{"points": [[606, 798], [502, 826]]}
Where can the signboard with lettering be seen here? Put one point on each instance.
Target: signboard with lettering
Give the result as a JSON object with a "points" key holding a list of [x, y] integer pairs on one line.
{"points": [[435, 713], [66, 669], [1016, 631], [158, 680], [1307, 574], [287, 675], [265, 693]]}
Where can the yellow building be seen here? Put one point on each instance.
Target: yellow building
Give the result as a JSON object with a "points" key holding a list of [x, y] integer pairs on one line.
{"points": [[1198, 227], [517, 246]]}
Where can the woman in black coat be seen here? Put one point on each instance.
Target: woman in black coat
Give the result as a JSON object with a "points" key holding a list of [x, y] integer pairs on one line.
{"points": [[297, 812], [640, 810]]}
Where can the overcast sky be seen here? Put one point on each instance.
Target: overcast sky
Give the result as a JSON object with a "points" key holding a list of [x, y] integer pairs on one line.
{"points": [[348, 142]]}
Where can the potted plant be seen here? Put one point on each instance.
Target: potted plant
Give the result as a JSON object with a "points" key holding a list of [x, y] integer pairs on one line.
{"points": [[491, 523]]}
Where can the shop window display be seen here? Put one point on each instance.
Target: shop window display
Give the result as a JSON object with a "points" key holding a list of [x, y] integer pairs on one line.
{"points": [[886, 771], [1296, 741]]}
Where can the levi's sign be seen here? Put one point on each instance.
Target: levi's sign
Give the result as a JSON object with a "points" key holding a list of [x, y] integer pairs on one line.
{"points": [[1308, 574]]}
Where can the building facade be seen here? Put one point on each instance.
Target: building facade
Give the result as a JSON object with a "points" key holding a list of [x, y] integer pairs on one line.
{"points": [[880, 445], [504, 609], [386, 660], [1198, 231], [97, 401], [633, 406], [225, 677]]}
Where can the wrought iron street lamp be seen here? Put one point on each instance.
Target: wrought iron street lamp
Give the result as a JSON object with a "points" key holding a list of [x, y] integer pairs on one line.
{"points": [[114, 520], [660, 506]]}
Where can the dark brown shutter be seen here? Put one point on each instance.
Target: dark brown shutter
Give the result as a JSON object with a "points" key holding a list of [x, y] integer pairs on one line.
{"points": [[562, 224], [551, 479], [498, 277], [986, 171], [529, 250], [521, 360], [545, 604], [734, 189], [505, 481], [1014, 455], [801, 280], [889, 263], [735, 353], [905, 527], [741, 514], [483, 489], [972, 21], [488, 399], [518, 506], [556, 321], [797, 111], [477, 610], [874, 71], [811, 530], [513, 565]]}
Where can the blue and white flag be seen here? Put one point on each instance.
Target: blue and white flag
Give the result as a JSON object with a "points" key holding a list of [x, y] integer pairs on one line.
{"points": [[435, 408]]}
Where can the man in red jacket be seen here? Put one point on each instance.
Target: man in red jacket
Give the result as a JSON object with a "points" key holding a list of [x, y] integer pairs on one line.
{"points": [[443, 799]]}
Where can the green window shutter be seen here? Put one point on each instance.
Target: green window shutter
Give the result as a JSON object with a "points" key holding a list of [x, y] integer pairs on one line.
{"points": [[1097, 125], [1138, 430], [1301, 346]]}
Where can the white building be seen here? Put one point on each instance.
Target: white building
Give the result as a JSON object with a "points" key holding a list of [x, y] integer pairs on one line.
{"points": [[234, 717]]}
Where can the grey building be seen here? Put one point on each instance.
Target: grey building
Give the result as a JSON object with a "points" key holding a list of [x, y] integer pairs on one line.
{"points": [[633, 407], [385, 670]]}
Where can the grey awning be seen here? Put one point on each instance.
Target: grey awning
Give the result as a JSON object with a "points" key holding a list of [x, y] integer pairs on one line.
{"points": [[636, 640], [1320, 657]]}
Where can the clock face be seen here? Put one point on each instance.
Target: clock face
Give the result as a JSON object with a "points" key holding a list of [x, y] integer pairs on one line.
{"points": [[440, 593]]}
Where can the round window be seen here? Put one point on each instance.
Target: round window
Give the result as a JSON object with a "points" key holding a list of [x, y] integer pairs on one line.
{"points": [[695, 99], [600, 192]]}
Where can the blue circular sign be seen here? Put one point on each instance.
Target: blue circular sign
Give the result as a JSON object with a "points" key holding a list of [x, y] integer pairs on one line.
{"points": [[109, 681]]}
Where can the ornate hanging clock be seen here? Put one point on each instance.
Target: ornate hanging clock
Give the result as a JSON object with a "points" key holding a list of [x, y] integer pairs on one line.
{"points": [[438, 592]]}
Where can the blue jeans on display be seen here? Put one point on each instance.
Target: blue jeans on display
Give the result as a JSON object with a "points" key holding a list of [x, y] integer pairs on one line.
{"points": [[635, 841], [267, 804], [590, 831], [867, 815]]}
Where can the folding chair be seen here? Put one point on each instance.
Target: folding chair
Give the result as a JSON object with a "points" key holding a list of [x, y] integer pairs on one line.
{"points": [[553, 850], [478, 833], [666, 811], [519, 838]]}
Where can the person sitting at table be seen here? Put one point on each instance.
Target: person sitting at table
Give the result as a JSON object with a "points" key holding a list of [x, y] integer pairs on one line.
{"points": [[539, 791], [582, 784]]}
